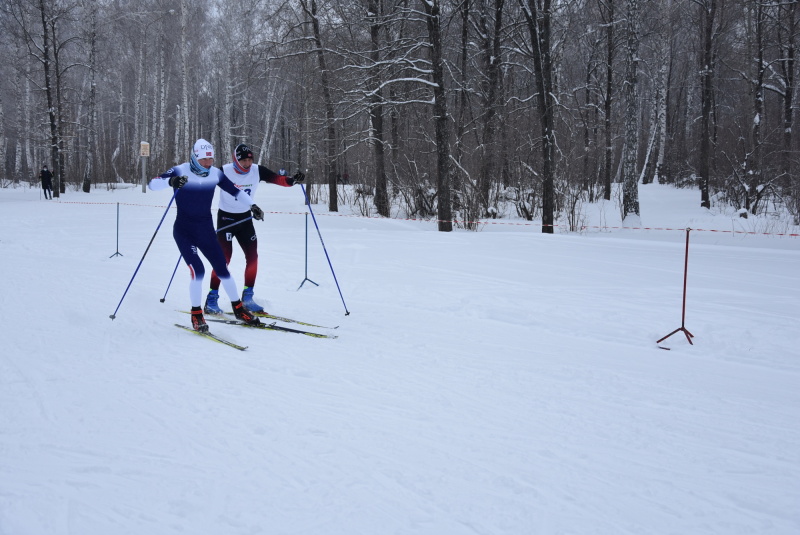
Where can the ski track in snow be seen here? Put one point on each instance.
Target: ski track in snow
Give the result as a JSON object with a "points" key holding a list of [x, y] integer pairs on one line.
{"points": [[499, 382]]}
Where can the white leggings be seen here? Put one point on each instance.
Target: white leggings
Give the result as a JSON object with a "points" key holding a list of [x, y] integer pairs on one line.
{"points": [[196, 290]]}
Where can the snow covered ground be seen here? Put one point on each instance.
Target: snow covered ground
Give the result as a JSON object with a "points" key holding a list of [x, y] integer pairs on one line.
{"points": [[493, 382]]}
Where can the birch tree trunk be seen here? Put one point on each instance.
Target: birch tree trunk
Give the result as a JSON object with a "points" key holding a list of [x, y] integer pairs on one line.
{"points": [[608, 100], [708, 14], [432, 10], [788, 14], [160, 125], [661, 122], [375, 16], [654, 152], [92, 127], [227, 109], [462, 102], [662, 100], [21, 128], [183, 144], [58, 71], [272, 112], [754, 164], [27, 128], [120, 132], [177, 144], [630, 180], [492, 60], [538, 17], [310, 7], [139, 106]]}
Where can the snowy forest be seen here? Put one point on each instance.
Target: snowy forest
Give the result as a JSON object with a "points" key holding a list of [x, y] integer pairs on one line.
{"points": [[438, 109]]}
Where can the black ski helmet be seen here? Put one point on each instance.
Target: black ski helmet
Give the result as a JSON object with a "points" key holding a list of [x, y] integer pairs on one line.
{"points": [[242, 151]]}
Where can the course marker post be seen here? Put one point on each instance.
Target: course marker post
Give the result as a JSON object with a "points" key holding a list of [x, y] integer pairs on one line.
{"points": [[682, 328]]}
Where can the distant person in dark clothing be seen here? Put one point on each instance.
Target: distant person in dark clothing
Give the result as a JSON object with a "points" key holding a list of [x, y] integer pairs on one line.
{"points": [[47, 182]]}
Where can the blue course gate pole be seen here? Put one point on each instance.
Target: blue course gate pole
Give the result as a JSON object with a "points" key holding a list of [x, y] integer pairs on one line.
{"points": [[308, 203], [114, 315], [117, 253], [306, 275]]}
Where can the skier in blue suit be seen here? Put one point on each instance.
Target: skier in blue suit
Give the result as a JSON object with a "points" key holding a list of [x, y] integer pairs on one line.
{"points": [[195, 182]]}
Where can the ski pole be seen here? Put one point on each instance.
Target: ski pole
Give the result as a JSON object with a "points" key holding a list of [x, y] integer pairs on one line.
{"points": [[234, 224], [179, 257], [308, 203], [114, 315], [178, 263]]}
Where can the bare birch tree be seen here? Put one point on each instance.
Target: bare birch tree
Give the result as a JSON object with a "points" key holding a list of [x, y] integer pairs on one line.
{"points": [[183, 125], [708, 19], [610, 22], [433, 18], [630, 178], [491, 28], [311, 11], [376, 19], [92, 146], [538, 15]]}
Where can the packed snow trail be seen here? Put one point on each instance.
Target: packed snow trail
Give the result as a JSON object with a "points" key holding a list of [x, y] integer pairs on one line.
{"points": [[498, 382]]}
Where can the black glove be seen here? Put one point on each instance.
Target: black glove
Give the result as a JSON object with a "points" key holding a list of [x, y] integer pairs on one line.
{"points": [[178, 181], [258, 213], [298, 177]]}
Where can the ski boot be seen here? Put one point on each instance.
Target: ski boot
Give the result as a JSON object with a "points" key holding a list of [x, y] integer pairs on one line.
{"points": [[247, 299], [198, 321], [211, 303], [244, 315]]}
